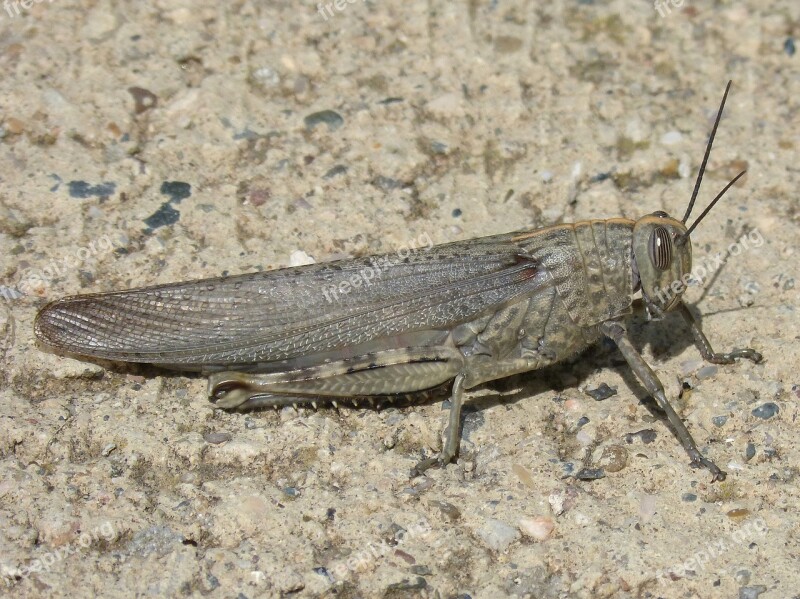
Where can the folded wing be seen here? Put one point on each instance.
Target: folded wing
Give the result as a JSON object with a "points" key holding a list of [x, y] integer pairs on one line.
{"points": [[290, 313]]}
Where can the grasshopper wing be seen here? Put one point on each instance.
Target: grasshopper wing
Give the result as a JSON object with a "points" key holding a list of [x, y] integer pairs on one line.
{"points": [[290, 313]]}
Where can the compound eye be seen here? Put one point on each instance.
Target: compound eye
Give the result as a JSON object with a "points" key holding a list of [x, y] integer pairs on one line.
{"points": [[660, 214], [660, 248]]}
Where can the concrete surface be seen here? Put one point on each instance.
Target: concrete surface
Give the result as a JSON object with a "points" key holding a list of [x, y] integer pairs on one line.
{"points": [[151, 142]]}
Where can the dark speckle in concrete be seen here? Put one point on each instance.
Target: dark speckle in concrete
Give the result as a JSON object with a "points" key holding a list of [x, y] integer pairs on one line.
{"points": [[176, 190], [328, 117], [82, 189], [766, 411], [165, 215], [602, 392]]}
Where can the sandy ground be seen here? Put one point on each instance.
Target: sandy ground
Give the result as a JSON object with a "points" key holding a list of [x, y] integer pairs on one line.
{"points": [[152, 142]]}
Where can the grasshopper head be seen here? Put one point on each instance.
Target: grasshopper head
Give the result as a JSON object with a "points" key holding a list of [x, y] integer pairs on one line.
{"points": [[662, 250], [662, 256]]}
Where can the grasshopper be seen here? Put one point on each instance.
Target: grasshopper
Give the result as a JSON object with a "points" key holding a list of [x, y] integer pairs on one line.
{"points": [[450, 318]]}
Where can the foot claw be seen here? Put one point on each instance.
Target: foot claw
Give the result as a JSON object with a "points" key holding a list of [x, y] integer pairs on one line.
{"points": [[730, 358], [749, 354], [424, 465], [439, 461], [717, 475]]}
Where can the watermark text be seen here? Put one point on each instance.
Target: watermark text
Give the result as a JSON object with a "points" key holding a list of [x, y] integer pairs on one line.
{"points": [[709, 265], [377, 266]]}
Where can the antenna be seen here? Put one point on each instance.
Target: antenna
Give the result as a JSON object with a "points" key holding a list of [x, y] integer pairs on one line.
{"points": [[685, 236], [705, 160]]}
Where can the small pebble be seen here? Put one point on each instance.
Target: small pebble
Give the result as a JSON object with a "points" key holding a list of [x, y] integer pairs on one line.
{"points": [[614, 458], [602, 392], [706, 372], [749, 452], [108, 449], [600, 177], [789, 47], [743, 576], [766, 411], [217, 438], [448, 510], [177, 191], [752, 287], [339, 169], [719, 421], [266, 77], [497, 535], [539, 528], [752, 592], [738, 513], [300, 258], [590, 474], [405, 587], [745, 301], [438, 147], [387, 183], [684, 168], [689, 497], [330, 118], [557, 501]]}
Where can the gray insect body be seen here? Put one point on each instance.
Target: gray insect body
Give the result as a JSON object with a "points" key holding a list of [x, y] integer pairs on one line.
{"points": [[549, 322], [452, 317]]}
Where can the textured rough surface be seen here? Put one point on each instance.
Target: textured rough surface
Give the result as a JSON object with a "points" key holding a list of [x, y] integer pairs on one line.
{"points": [[145, 143]]}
